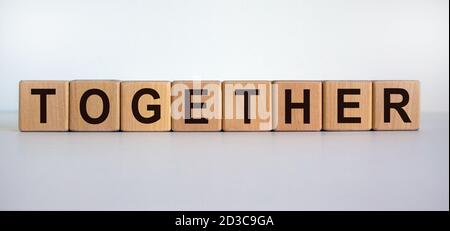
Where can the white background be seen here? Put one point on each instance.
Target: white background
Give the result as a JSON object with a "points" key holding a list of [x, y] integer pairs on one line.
{"points": [[167, 40], [233, 39]]}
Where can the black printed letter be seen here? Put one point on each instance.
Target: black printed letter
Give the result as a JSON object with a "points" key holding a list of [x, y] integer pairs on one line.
{"points": [[342, 104], [155, 108], [289, 106], [43, 101], [83, 102], [247, 94], [397, 106], [189, 106]]}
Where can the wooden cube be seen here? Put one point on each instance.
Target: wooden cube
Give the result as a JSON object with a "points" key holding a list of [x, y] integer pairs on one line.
{"points": [[196, 106], [145, 106], [247, 105], [43, 105], [297, 105], [396, 105], [94, 105], [347, 105]]}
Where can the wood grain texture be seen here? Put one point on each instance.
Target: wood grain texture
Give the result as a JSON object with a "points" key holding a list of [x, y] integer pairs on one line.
{"points": [[363, 99], [94, 105], [211, 98], [412, 108], [128, 90], [259, 116], [57, 106], [297, 90]]}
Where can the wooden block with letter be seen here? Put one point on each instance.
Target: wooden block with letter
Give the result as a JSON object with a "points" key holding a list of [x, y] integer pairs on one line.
{"points": [[196, 106], [247, 105], [347, 105], [94, 105], [145, 106], [43, 105], [396, 105], [297, 105]]}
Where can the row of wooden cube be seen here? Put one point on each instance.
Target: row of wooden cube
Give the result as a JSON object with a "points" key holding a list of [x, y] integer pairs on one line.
{"points": [[110, 105]]}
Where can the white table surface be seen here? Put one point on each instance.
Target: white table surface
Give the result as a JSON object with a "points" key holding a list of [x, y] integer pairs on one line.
{"points": [[404, 170]]}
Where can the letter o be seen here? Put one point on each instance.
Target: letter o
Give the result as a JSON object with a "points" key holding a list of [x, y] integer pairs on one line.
{"points": [[83, 105]]}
